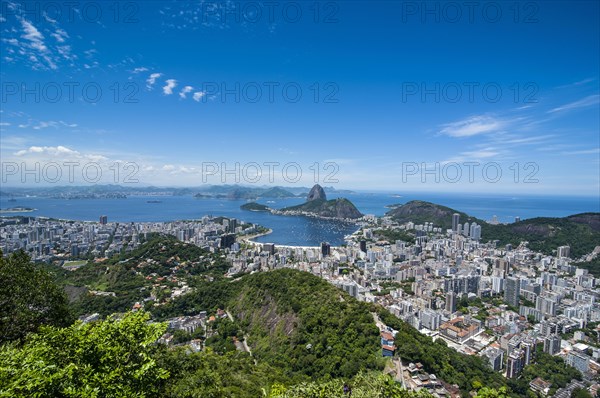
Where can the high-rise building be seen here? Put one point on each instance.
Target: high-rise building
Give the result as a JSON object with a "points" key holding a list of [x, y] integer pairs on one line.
{"points": [[546, 305], [103, 220], [514, 364], [512, 290], [363, 246], [455, 220], [268, 248], [528, 347], [466, 229], [579, 361], [517, 219], [430, 319], [232, 225], [325, 249], [564, 251], [227, 241], [495, 357], [451, 301], [552, 344]]}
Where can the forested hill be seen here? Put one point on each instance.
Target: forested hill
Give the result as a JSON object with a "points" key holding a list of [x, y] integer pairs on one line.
{"points": [[545, 234], [580, 231], [298, 321]]}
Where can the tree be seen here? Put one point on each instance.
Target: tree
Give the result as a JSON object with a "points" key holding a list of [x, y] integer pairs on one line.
{"points": [[28, 298], [580, 393], [487, 392], [111, 359]]}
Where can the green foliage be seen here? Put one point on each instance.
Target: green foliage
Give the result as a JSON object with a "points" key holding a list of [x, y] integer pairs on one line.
{"points": [[207, 296], [125, 274], [300, 323], [438, 358], [101, 359], [393, 235], [28, 298], [420, 212], [592, 266], [487, 392], [546, 234], [253, 206], [206, 374], [340, 207], [364, 385], [580, 393], [550, 368]]}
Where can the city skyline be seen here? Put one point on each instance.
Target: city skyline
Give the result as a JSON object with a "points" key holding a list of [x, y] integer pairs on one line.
{"points": [[383, 97]]}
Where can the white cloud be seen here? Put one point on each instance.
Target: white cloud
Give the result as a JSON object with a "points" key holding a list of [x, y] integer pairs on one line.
{"points": [[582, 103], [35, 38], [35, 43], [171, 84], [140, 69], [183, 93], [40, 125], [56, 151], [60, 35], [198, 95], [152, 79], [168, 167], [472, 126], [583, 152]]}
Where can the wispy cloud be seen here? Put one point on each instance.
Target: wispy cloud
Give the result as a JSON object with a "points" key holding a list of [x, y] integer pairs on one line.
{"points": [[474, 125], [592, 151], [582, 103], [40, 125], [578, 83], [168, 88]]}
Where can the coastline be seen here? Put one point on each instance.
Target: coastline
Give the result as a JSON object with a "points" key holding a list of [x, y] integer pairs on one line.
{"points": [[248, 238]]}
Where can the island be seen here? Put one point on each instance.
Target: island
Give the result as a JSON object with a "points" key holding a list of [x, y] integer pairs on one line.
{"points": [[318, 205], [253, 206]]}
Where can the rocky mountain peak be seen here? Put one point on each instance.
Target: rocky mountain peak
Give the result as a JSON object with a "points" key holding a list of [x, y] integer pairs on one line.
{"points": [[317, 192]]}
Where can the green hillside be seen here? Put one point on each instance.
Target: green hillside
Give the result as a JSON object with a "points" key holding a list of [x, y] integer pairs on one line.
{"points": [[581, 232], [545, 234]]}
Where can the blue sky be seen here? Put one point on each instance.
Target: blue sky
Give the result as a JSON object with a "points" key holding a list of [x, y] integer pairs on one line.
{"points": [[388, 90]]}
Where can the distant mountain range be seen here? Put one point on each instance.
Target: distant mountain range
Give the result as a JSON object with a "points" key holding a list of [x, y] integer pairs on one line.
{"points": [[226, 191]]}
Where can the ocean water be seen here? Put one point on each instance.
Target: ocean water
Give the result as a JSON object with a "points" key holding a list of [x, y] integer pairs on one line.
{"points": [[296, 230]]}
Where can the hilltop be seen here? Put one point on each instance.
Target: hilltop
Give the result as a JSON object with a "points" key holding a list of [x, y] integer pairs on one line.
{"points": [[580, 231], [419, 212], [545, 234], [318, 205]]}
